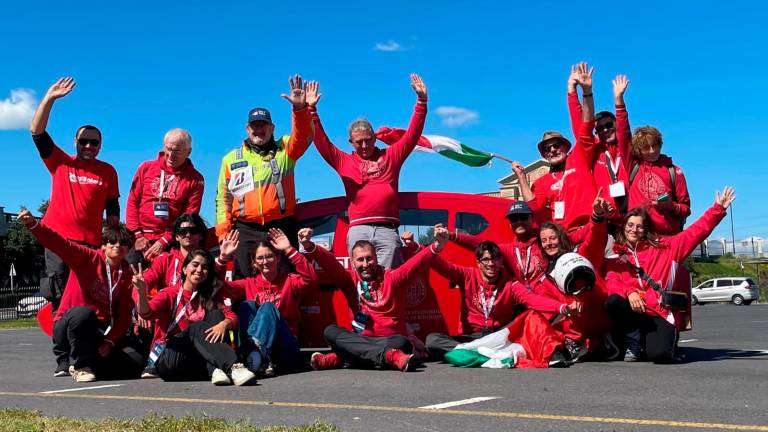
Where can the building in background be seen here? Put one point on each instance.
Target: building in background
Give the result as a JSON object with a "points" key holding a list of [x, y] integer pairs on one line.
{"points": [[510, 185]]}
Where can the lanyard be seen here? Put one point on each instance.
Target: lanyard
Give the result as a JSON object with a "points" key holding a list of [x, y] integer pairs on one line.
{"points": [[111, 289], [175, 275], [524, 270], [162, 184], [487, 308], [613, 169], [562, 184], [181, 313]]}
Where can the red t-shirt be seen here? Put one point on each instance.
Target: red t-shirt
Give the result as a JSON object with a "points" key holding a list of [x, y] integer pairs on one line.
{"points": [[79, 192]]}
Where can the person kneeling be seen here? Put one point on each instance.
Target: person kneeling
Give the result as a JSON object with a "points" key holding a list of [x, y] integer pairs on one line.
{"points": [[378, 298], [192, 321]]}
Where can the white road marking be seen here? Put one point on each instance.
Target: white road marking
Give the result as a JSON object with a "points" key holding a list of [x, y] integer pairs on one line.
{"points": [[760, 322], [459, 402], [688, 340], [81, 388]]}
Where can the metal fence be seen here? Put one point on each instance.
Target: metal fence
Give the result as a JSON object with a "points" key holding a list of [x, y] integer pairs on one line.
{"points": [[19, 302], [753, 247]]}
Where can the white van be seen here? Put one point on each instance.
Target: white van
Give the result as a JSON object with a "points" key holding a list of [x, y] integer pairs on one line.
{"points": [[737, 290]]}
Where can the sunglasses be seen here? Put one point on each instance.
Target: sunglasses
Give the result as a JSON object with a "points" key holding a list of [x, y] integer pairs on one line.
{"points": [[188, 230], [551, 147], [518, 217], [86, 142], [605, 126]]}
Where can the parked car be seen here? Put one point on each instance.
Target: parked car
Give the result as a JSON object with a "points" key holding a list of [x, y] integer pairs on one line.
{"points": [[29, 306], [737, 290]]}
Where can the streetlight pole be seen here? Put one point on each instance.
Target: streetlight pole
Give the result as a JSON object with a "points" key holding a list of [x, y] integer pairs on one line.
{"points": [[733, 237]]}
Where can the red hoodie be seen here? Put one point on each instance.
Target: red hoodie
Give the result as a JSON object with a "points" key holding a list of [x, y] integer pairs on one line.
{"points": [[286, 291], [525, 259], [657, 262], [182, 190], [574, 186], [388, 291], [653, 179], [372, 185], [476, 291], [88, 285], [611, 161], [163, 308]]}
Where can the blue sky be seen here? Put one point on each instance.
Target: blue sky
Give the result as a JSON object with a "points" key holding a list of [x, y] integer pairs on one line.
{"points": [[143, 68]]}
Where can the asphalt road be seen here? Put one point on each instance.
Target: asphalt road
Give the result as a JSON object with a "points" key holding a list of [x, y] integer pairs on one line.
{"points": [[722, 387]]}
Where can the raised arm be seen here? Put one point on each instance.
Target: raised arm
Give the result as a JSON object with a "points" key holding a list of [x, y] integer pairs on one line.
{"points": [[685, 242], [623, 131], [403, 274], [574, 106], [584, 79], [304, 269], [452, 272], [71, 253], [328, 263], [223, 202], [301, 121], [332, 155], [405, 145], [58, 90], [525, 187], [596, 235]]}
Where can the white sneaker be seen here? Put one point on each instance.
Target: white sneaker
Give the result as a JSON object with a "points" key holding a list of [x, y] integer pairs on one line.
{"points": [[83, 375], [220, 378], [241, 375]]}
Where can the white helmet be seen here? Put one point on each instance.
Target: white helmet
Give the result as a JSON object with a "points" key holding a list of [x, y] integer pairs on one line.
{"points": [[571, 267]]}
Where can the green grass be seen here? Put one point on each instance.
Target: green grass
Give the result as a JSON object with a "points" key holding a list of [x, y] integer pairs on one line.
{"points": [[18, 323], [22, 420]]}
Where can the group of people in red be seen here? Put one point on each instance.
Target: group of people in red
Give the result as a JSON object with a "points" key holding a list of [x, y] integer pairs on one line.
{"points": [[591, 269]]}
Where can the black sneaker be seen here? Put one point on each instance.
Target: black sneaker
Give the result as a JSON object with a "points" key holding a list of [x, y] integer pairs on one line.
{"points": [[558, 360], [62, 369], [149, 373], [575, 350]]}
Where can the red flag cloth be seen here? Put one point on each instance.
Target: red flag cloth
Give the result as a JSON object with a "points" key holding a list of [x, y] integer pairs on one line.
{"points": [[389, 136], [531, 330]]}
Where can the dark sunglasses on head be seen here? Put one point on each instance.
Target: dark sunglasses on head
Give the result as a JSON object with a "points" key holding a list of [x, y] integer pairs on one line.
{"points": [[85, 141], [605, 126], [518, 217], [188, 230]]}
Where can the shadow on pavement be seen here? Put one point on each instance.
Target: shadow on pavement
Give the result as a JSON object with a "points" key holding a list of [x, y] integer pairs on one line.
{"points": [[693, 354]]}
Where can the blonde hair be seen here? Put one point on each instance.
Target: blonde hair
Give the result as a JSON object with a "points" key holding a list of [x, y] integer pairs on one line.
{"points": [[645, 137]]}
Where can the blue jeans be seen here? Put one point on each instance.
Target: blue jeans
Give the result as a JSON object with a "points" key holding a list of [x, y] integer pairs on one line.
{"points": [[263, 325]]}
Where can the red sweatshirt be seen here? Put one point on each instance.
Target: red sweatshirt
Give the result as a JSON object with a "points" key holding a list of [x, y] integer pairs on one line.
{"points": [[161, 308], [79, 192], [182, 191], [653, 179], [611, 160], [525, 259], [88, 285], [575, 185], [508, 295], [286, 291], [164, 271], [388, 291], [657, 261], [372, 185]]}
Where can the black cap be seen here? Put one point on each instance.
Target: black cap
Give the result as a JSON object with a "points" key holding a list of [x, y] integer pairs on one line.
{"points": [[259, 114], [519, 207]]}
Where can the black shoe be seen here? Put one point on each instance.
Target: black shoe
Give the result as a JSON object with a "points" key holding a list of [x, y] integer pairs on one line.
{"points": [[558, 360], [575, 350], [62, 369]]}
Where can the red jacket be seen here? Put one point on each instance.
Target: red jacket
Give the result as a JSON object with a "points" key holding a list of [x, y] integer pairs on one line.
{"points": [[388, 291], [619, 154], [286, 291], [653, 179], [164, 271], [575, 185], [88, 285], [372, 185], [657, 262], [79, 192], [525, 260], [182, 190], [161, 308], [509, 294]]}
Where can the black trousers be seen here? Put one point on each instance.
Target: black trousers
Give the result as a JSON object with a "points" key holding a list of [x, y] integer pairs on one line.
{"points": [[77, 336], [251, 234], [188, 356], [440, 343], [54, 279], [660, 337], [363, 352]]}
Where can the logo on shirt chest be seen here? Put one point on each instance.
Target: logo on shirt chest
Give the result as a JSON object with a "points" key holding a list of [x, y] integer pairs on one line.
{"points": [[373, 169], [170, 189], [84, 179], [651, 185]]}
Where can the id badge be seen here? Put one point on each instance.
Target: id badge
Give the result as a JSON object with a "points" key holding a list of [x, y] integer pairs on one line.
{"points": [[161, 209], [157, 349], [617, 190], [360, 321], [559, 209]]}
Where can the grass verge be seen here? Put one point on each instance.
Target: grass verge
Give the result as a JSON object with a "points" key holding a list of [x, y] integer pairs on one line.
{"points": [[23, 420], [18, 323]]}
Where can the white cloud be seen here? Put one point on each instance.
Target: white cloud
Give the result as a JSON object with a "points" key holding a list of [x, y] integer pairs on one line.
{"points": [[389, 46], [16, 111], [453, 116]]}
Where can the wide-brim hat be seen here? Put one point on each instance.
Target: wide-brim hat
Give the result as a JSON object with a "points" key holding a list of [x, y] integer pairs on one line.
{"points": [[553, 136]]}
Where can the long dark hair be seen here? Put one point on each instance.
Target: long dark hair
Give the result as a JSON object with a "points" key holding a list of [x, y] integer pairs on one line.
{"points": [[266, 244], [208, 288], [564, 243], [650, 231]]}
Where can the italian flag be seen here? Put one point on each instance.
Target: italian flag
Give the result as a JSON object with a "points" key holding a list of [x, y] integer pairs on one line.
{"points": [[448, 147], [528, 342]]}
